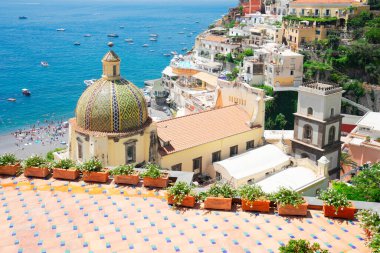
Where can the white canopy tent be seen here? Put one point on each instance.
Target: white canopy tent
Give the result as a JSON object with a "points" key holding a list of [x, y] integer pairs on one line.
{"points": [[252, 165]]}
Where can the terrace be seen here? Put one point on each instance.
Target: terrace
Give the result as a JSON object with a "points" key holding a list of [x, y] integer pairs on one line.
{"points": [[58, 216]]}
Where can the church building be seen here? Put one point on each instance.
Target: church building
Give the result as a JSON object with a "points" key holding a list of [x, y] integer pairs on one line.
{"points": [[112, 124]]}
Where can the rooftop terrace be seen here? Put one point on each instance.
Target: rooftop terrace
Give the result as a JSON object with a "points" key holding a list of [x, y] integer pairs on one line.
{"points": [[58, 216]]}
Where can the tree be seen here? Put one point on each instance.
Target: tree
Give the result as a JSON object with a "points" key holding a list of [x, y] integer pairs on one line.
{"points": [[345, 160], [248, 52], [281, 121], [229, 58], [373, 35], [368, 182], [301, 246]]}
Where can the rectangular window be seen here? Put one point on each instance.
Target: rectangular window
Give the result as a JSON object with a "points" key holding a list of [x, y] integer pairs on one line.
{"points": [[177, 167], [218, 176], [233, 151], [327, 12], [216, 156], [80, 151], [130, 154], [249, 70], [250, 145], [317, 32], [291, 72], [197, 165]]}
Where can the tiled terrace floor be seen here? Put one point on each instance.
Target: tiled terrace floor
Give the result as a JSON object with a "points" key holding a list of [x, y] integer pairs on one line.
{"points": [[57, 216]]}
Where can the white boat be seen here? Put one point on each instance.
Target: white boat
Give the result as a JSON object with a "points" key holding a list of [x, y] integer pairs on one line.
{"points": [[184, 49], [181, 33], [145, 45], [113, 35], [153, 39], [26, 92], [167, 55], [11, 99], [77, 43], [131, 43], [44, 64], [173, 52], [89, 82], [153, 35], [87, 35], [128, 40], [61, 30]]}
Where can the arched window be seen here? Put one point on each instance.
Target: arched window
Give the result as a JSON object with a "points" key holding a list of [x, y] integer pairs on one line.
{"points": [[332, 112], [331, 135], [310, 111], [307, 132], [114, 70]]}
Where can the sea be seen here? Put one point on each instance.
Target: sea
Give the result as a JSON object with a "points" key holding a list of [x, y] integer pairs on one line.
{"points": [[55, 89]]}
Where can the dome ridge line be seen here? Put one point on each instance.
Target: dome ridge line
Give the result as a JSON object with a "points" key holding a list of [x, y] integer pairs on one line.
{"points": [[90, 104], [115, 109], [139, 105]]}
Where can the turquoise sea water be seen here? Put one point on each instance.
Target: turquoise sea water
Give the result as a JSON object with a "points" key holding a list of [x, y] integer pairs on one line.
{"points": [[56, 89]]}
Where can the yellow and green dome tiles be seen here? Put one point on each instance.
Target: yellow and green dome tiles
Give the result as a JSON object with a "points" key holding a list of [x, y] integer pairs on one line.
{"points": [[112, 107]]}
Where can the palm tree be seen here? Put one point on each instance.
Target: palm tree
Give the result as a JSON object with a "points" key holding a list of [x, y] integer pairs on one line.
{"points": [[345, 160]]}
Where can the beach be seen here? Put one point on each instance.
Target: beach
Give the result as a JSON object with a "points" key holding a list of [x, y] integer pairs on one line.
{"points": [[37, 140]]}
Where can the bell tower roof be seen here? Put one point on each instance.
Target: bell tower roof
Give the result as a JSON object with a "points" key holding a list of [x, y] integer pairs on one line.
{"points": [[111, 65]]}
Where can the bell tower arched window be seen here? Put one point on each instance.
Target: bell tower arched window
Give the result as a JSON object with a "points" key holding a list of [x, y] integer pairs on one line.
{"points": [[307, 132], [331, 135], [310, 111]]}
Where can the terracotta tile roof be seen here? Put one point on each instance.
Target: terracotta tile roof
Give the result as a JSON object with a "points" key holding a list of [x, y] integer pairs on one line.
{"points": [[215, 38], [196, 129]]}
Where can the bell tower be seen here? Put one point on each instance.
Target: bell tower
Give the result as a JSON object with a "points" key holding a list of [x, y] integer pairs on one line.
{"points": [[111, 65], [317, 124]]}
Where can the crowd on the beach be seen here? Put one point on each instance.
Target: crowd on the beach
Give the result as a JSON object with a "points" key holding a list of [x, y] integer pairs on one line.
{"points": [[46, 133]]}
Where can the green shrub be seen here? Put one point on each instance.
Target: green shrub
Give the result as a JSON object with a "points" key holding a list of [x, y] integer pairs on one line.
{"points": [[252, 192], [50, 156], [8, 159], [285, 196], [332, 197], [92, 165], [152, 171], [369, 220], [374, 244], [220, 191], [179, 191], [301, 246], [36, 161], [123, 170], [65, 164]]}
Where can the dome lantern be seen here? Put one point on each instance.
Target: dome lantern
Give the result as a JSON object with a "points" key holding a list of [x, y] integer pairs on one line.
{"points": [[111, 65]]}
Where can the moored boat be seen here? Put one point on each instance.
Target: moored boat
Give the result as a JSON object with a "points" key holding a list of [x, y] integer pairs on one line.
{"points": [[87, 35], [112, 35], [23, 17], [77, 44], [26, 92], [128, 40], [61, 30], [153, 39], [173, 52], [44, 64], [145, 45], [11, 99]]}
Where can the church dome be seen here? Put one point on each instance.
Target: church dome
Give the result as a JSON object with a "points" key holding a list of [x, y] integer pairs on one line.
{"points": [[111, 104]]}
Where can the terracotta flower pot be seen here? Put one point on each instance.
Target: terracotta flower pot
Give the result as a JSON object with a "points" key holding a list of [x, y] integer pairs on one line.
{"points": [[344, 213], [36, 172], [10, 170], [100, 177], [188, 201], [218, 203], [256, 205], [160, 182], [133, 179], [70, 174], [300, 210]]}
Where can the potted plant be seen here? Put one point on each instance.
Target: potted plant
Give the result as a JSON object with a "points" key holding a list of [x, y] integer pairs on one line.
{"points": [[219, 197], [336, 205], [289, 202], [154, 177], [181, 194], [253, 198], [369, 221], [302, 246], [9, 165], [125, 174], [36, 166], [65, 169], [93, 171]]}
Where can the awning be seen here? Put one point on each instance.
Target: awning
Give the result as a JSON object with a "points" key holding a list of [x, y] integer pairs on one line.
{"points": [[207, 78]]}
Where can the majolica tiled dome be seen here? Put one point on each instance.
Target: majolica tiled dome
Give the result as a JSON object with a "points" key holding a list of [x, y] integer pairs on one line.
{"points": [[111, 104]]}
